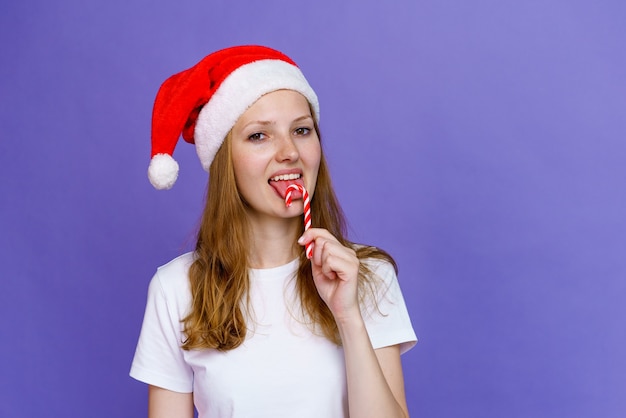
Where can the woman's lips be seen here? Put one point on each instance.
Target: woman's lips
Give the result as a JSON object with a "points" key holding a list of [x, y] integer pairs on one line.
{"points": [[280, 186]]}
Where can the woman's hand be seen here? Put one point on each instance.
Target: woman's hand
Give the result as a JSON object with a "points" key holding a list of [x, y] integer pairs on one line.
{"points": [[375, 382], [335, 273]]}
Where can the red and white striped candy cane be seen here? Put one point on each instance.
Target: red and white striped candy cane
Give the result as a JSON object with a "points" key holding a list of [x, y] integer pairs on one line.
{"points": [[307, 211]]}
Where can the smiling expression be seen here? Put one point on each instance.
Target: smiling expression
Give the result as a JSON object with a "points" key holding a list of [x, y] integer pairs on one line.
{"points": [[274, 144]]}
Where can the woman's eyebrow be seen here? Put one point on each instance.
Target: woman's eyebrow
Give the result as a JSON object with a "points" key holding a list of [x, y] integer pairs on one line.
{"points": [[269, 122], [259, 122], [303, 118]]}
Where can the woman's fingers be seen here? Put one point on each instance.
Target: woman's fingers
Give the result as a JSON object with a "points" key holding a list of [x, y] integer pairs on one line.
{"points": [[330, 255]]}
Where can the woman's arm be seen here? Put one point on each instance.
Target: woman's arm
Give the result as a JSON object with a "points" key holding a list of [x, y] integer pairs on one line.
{"points": [[389, 361], [163, 403], [375, 381]]}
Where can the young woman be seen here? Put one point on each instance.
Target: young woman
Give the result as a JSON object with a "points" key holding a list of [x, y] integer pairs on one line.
{"points": [[247, 325]]}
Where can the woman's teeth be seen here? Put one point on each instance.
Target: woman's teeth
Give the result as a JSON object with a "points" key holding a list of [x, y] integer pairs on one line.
{"points": [[284, 177]]}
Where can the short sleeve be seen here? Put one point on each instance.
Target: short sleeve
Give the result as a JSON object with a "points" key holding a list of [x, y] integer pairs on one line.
{"points": [[387, 321], [159, 358]]}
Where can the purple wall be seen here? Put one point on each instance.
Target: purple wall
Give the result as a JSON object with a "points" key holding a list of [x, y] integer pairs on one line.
{"points": [[483, 145]]}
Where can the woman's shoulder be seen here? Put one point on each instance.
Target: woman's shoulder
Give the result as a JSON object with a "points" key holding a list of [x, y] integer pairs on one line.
{"points": [[376, 260], [178, 264], [174, 275]]}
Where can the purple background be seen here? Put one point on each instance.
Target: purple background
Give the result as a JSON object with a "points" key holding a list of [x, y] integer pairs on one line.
{"points": [[481, 143]]}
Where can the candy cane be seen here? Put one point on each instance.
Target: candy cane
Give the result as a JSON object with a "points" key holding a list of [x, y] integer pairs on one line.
{"points": [[307, 211]]}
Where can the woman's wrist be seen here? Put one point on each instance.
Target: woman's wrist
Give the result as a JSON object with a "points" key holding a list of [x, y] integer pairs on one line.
{"points": [[351, 323]]}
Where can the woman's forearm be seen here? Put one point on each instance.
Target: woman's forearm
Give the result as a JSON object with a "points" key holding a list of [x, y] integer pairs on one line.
{"points": [[370, 392]]}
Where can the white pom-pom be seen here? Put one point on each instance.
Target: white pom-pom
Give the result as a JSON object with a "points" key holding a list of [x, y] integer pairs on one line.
{"points": [[163, 171]]}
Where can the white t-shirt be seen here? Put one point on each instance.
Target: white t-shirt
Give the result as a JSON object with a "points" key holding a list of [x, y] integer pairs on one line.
{"points": [[281, 370]]}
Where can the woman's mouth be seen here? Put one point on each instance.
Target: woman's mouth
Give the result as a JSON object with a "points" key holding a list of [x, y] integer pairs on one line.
{"points": [[284, 177], [280, 183]]}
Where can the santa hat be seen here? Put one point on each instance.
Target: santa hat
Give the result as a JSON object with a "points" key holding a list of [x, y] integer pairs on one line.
{"points": [[203, 103]]}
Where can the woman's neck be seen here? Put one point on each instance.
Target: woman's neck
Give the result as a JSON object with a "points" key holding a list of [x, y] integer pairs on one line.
{"points": [[273, 242]]}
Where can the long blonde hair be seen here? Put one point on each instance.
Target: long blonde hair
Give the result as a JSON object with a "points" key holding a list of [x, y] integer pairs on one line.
{"points": [[219, 275]]}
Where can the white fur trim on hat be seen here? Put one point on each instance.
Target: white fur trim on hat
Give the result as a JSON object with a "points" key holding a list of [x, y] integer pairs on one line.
{"points": [[237, 93], [163, 171]]}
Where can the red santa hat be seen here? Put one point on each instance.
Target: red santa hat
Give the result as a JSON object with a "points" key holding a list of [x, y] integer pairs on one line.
{"points": [[203, 103]]}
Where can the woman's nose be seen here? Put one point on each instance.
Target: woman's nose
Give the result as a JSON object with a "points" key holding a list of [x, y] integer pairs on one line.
{"points": [[287, 149]]}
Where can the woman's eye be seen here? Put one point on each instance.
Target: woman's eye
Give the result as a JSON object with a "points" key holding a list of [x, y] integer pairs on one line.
{"points": [[257, 136], [302, 131]]}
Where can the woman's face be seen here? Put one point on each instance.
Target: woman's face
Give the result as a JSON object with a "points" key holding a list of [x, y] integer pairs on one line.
{"points": [[274, 144]]}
